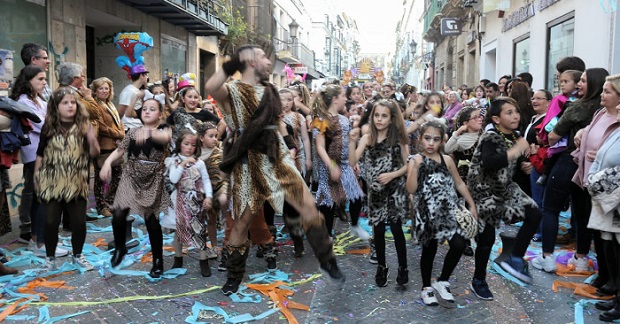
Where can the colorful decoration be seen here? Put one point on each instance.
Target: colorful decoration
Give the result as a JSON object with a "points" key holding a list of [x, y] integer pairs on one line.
{"points": [[186, 80], [133, 44]]}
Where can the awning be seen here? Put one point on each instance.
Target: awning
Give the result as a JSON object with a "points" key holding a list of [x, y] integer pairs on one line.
{"points": [[200, 20]]}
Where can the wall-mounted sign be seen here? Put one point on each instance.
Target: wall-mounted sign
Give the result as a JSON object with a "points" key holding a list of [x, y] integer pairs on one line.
{"points": [[451, 26], [298, 68], [519, 16]]}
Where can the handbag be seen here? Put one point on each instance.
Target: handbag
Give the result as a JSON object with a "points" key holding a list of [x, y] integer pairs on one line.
{"points": [[467, 223]]}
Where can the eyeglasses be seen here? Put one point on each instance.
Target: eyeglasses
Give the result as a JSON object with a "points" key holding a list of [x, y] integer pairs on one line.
{"points": [[535, 98], [43, 57]]}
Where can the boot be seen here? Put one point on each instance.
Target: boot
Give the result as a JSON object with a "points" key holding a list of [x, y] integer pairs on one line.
{"points": [[403, 276], [119, 227], [237, 256], [205, 270], [178, 262], [4, 270], [298, 243], [611, 315], [322, 245], [381, 278], [158, 268], [270, 256]]}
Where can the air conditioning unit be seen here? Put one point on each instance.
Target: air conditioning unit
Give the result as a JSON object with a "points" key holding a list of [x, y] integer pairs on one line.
{"points": [[482, 27]]}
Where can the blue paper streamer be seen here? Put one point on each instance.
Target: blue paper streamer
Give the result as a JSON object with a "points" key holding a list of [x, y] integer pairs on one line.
{"points": [[198, 307]]}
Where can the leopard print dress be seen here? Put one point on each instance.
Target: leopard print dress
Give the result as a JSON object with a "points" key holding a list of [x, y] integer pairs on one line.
{"points": [[435, 202], [496, 195], [387, 203]]}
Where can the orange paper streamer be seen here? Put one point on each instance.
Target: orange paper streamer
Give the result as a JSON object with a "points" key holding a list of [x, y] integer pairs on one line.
{"points": [[569, 271], [359, 251], [100, 242], [280, 297], [11, 309], [580, 289]]}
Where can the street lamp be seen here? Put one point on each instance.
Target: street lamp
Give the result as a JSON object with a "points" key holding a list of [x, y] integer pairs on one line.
{"points": [[413, 46], [292, 28]]}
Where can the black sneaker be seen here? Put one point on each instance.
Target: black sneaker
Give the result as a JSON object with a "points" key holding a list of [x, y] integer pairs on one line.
{"points": [[403, 276], [481, 289], [372, 258], [331, 271], [517, 267], [469, 251], [381, 278], [231, 286], [271, 263], [25, 238]]}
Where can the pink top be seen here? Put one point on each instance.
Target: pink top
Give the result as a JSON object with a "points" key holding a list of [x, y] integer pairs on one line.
{"points": [[596, 137], [555, 108]]}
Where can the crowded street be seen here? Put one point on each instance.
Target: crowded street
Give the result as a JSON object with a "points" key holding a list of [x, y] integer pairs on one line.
{"points": [[310, 161]]}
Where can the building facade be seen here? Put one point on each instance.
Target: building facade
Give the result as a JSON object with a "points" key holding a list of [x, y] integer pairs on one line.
{"points": [[185, 35], [532, 36]]}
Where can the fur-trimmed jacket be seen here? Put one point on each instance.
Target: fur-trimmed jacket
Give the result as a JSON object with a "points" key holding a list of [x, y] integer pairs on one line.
{"points": [[496, 195]]}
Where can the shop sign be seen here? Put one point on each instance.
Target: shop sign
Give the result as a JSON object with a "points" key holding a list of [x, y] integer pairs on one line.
{"points": [[451, 26], [544, 4], [298, 68], [522, 14]]}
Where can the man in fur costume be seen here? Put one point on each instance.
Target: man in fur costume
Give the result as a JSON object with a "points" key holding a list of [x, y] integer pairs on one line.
{"points": [[259, 162]]}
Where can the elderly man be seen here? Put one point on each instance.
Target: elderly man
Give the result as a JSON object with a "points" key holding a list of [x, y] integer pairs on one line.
{"points": [[72, 75]]}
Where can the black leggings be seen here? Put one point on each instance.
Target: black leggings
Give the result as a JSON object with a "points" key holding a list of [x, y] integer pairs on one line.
{"points": [[429, 250], [355, 207], [76, 211], [487, 238], [156, 237], [399, 242]]}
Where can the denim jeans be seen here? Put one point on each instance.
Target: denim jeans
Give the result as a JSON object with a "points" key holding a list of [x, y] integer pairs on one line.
{"points": [[557, 193], [537, 194]]}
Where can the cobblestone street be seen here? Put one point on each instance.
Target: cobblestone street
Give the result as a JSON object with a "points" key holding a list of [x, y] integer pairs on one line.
{"points": [[134, 299]]}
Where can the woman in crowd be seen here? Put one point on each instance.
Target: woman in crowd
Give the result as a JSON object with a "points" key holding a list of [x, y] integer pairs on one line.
{"points": [[604, 186], [502, 84], [453, 107], [111, 132], [540, 104], [27, 90], [559, 187]]}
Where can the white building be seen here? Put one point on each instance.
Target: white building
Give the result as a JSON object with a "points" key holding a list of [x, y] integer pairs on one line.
{"points": [[532, 36]]}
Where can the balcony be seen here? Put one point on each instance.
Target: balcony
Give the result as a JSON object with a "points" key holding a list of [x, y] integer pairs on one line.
{"points": [[293, 53], [196, 16], [433, 11]]}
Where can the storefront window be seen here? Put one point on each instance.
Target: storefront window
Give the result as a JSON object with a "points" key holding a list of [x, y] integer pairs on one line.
{"points": [[22, 22], [521, 56], [560, 45], [173, 58]]}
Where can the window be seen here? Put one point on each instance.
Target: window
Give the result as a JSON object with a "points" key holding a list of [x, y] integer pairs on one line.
{"points": [[521, 55], [560, 44], [173, 57], [23, 22]]}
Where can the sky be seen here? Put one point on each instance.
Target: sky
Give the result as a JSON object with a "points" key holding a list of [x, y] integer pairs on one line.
{"points": [[376, 21]]}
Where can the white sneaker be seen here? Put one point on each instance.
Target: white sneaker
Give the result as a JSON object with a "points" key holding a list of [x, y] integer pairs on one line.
{"points": [[81, 261], [581, 264], [360, 232], [40, 251], [545, 263], [50, 264], [428, 296], [443, 288]]}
